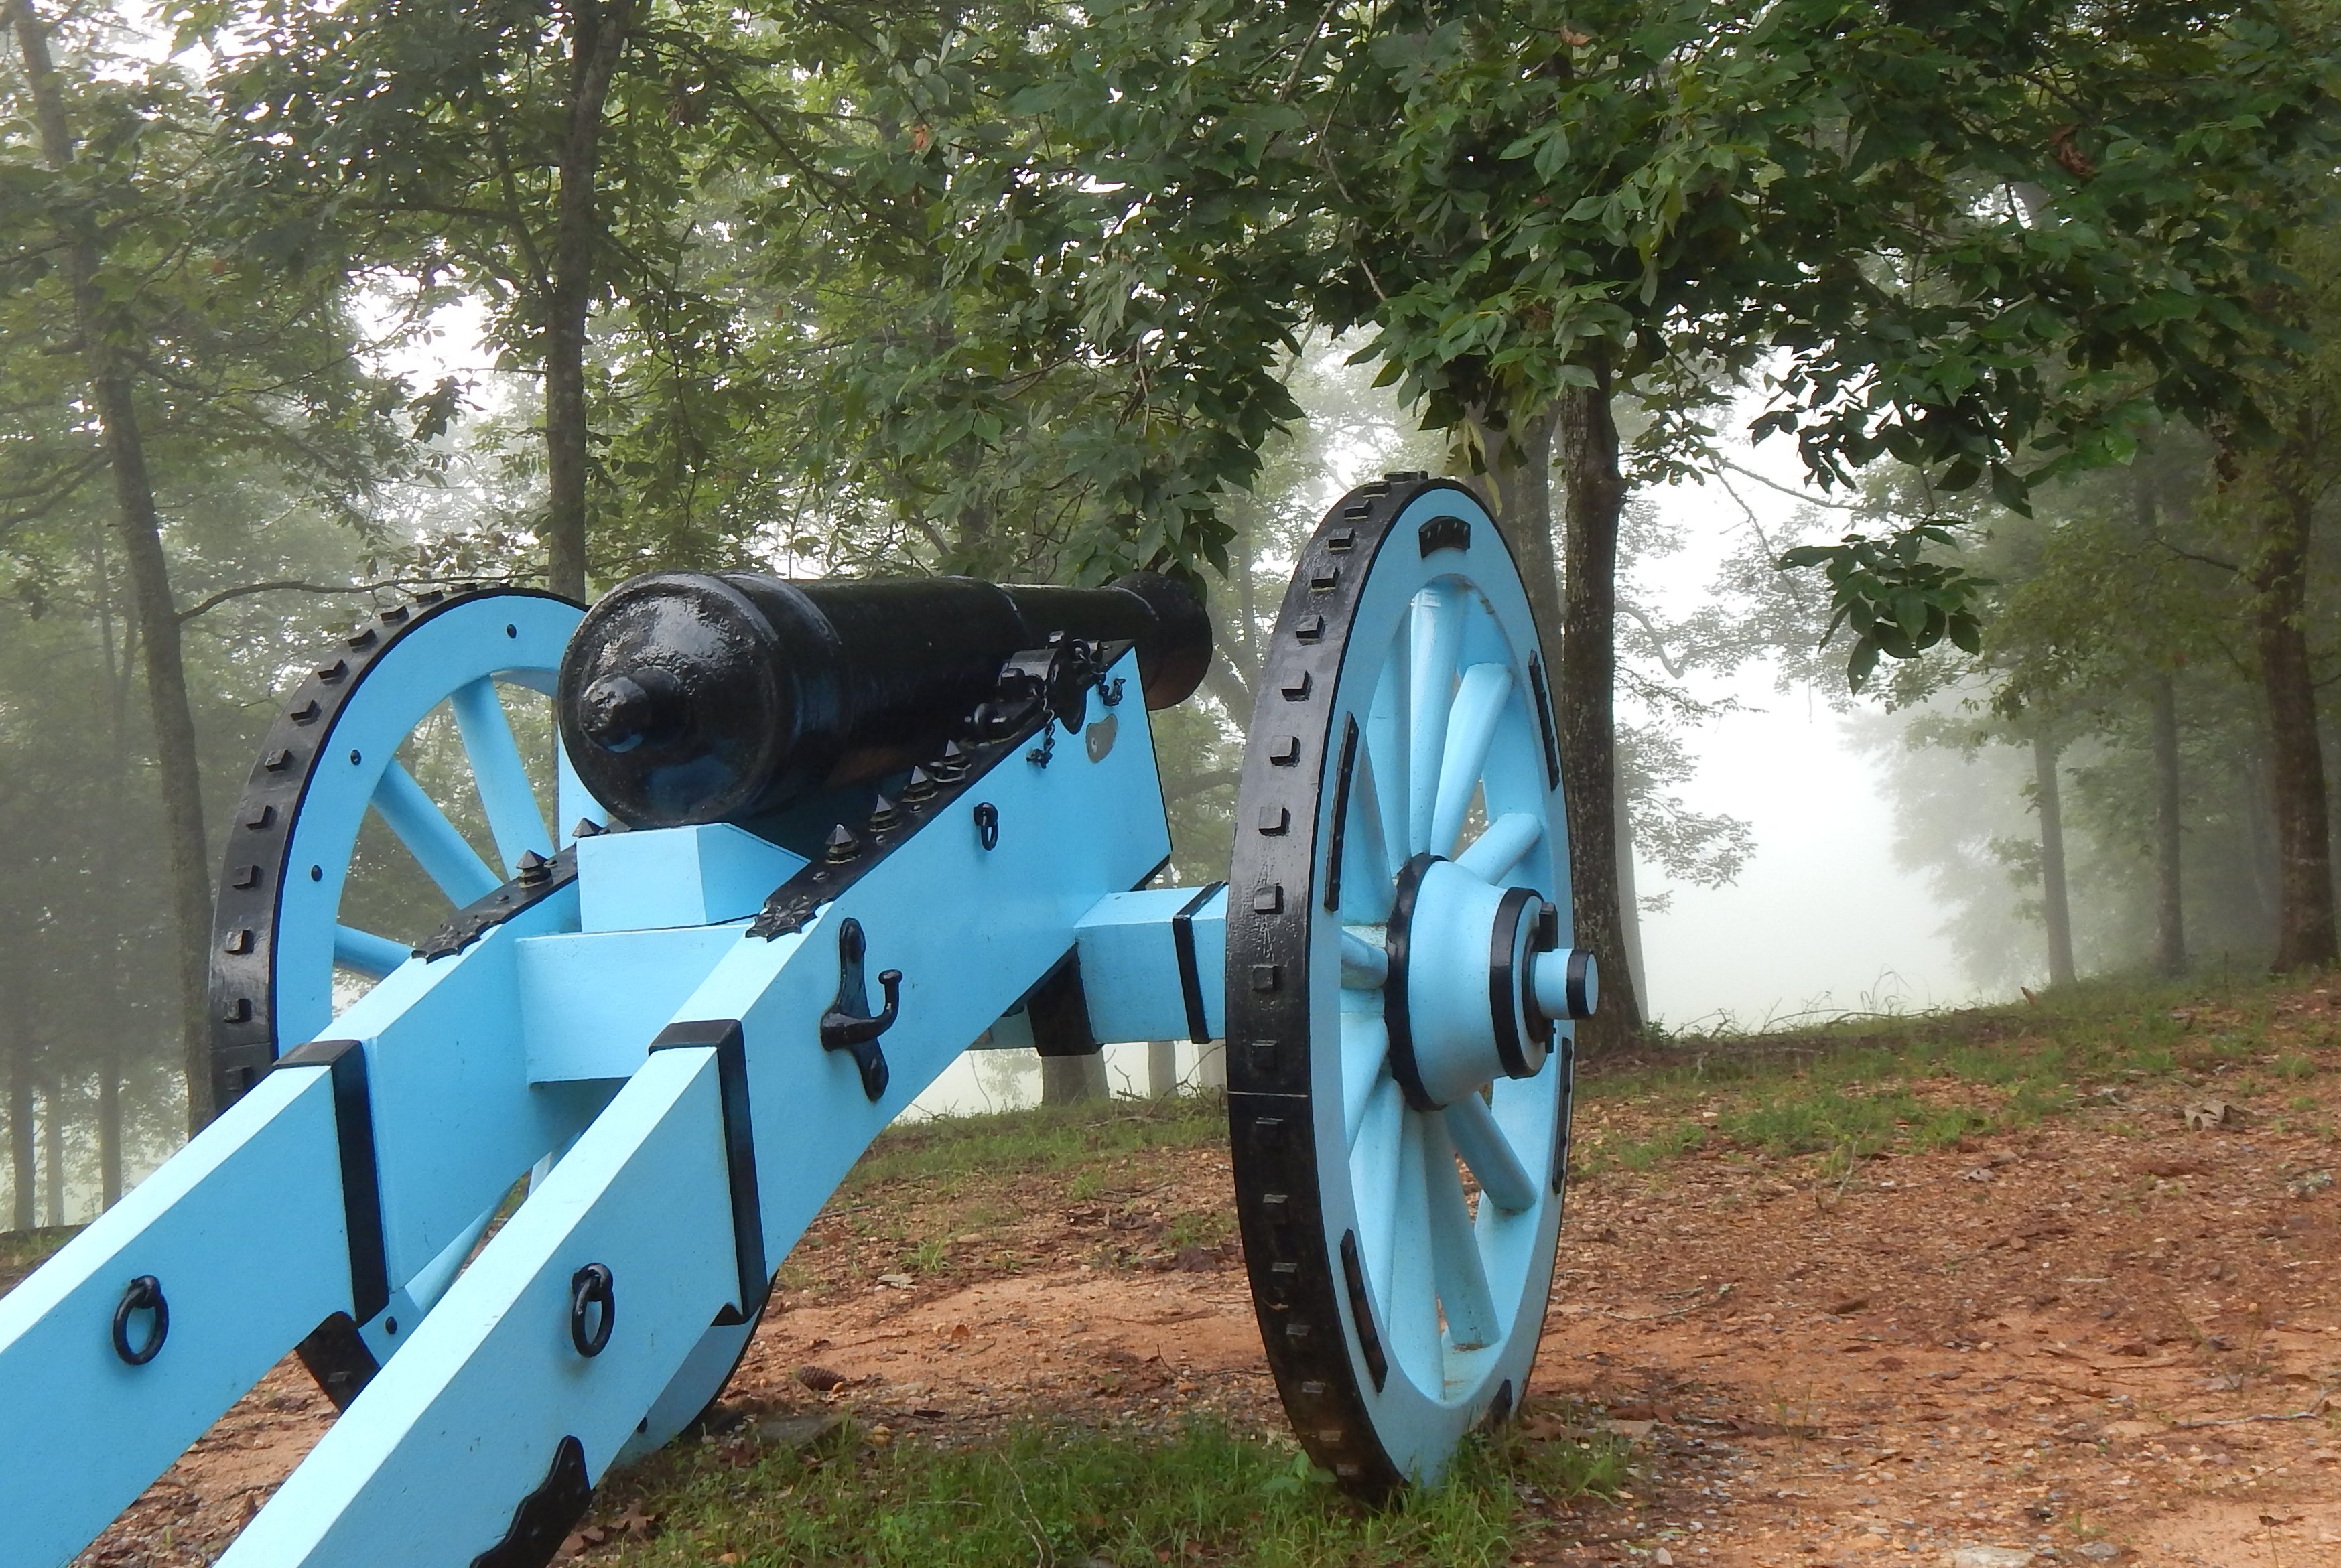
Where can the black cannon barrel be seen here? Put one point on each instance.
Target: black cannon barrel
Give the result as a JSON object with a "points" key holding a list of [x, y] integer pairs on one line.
{"points": [[697, 696]]}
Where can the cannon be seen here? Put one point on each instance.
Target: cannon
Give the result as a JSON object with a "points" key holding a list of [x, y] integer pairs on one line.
{"points": [[820, 838]]}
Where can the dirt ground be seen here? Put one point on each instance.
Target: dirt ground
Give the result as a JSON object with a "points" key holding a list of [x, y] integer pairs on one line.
{"points": [[2108, 1338]]}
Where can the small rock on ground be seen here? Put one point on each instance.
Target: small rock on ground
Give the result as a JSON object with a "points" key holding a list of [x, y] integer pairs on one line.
{"points": [[798, 1431], [1987, 1557]]}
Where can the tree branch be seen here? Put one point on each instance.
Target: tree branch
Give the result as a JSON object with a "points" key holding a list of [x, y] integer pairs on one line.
{"points": [[1769, 483], [294, 585], [1674, 668]]}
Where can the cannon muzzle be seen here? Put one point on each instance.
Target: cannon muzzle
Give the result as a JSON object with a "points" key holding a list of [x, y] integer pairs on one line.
{"points": [[695, 697]]}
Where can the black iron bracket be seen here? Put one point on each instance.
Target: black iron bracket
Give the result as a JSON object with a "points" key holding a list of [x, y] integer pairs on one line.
{"points": [[738, 1154], [360, 1176], [1056, 679], [543, 1518], [1190, 970], [1057, 1009], [850, 1025]]}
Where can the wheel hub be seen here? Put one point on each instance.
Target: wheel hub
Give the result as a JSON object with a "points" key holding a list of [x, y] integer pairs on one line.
{"points": [[1478, 981]]}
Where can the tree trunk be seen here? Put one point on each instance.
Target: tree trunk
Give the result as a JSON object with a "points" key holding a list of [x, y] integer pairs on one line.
{"points": [[2055, 912], [21, 1175], [2305, 934], [1629, 900], [2170, 912], [1519, 458], [1212, 1066], [1593, 497], [1072, 1081], [109, 1130], [155, 610], [1161, 1068], [597, 39], [53, 1152], [2260, 839]]}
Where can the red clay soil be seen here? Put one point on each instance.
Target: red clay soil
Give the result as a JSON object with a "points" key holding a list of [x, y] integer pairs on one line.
{"points": [[2108, 1339]]}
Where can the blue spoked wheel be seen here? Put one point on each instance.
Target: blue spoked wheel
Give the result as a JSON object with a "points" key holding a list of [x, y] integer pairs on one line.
{"points": [[283, 948], [1399, 986], [436, 683]]}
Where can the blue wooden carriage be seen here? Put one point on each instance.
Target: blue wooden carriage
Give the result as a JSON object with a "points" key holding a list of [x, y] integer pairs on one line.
{"points": [[819, 836]]}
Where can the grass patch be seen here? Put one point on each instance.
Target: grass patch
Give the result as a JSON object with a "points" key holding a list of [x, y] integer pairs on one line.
{"points": [[1043, 1139], [1057, 1494], [1641, 1153], [1206, 1228], [1852, 1087]]}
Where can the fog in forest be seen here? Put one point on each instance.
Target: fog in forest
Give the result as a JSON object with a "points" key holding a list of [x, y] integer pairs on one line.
{"points": [[1819, 859], [1802, 853]]}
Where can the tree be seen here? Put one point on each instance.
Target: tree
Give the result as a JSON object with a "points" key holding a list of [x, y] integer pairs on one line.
{"points": [[163, 317], [533, 156], [2139, 271], [2123, 636], [82, 203], [2281, 468], [1904, 204]]}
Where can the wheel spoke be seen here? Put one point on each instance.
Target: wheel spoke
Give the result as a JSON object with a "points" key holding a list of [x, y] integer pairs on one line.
{"points": [[1389, 739], [1485, 1148], [1366, 875], [1364, 966], [1365, 1047], [1494, 853], [1478, 709], [368, 954], [1438, 644], [499, 774], [1374, 1174], [431, 838], [1412, 1309], [1455, 1248]]}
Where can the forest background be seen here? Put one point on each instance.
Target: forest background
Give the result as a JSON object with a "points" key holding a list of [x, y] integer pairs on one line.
{"points": [[305, 306]]}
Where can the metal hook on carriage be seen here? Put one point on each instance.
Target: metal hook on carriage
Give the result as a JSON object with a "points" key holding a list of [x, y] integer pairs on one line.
{"points": [[850, 1025]]}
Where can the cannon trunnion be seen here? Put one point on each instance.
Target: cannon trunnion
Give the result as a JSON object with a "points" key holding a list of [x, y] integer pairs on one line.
{"points": [[820, 837], [729, 697]]}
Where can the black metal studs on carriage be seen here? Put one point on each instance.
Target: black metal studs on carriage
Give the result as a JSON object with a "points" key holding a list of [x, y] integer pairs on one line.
{"points": [[143, 1294], [986, 825], [930, 788], [531, 888], [590, 1288]]}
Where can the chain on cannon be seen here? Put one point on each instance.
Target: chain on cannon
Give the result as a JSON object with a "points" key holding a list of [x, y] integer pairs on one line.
{"points": [[820, 835]]}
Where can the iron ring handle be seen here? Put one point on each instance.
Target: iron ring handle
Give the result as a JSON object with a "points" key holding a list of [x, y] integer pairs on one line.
{"points": [[986, 825], [590, 1286], [143, 1294]]}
